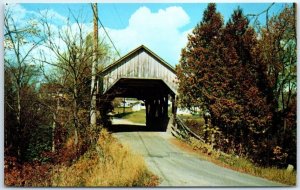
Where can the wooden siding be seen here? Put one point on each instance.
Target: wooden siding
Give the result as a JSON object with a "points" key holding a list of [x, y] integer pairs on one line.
{"points": [[141, 64]]}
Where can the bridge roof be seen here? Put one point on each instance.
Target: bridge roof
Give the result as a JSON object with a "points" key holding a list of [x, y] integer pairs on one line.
{"points": [[140, 63], [132, 54]]}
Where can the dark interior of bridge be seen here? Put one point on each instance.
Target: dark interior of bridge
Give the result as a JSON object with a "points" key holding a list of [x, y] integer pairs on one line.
{"points": [[154, 92]]}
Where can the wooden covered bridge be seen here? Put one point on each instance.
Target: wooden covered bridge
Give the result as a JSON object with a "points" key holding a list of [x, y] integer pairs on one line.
{"points": [[143, 75]]}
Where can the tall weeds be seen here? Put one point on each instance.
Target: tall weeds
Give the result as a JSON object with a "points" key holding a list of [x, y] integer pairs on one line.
{"points": [[242, 164], [108, 163]]}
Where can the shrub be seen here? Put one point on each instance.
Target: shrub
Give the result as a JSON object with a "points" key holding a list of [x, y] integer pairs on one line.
{"points": [[108, 163], [242, 164]]}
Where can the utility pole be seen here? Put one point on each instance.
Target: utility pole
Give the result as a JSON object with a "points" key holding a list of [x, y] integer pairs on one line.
{"points": [[93, 119]]}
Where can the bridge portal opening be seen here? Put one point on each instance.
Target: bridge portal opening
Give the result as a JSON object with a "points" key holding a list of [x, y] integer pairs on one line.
{"points": [[140, 105], [129, 114], [129, 110], [143, 75]]}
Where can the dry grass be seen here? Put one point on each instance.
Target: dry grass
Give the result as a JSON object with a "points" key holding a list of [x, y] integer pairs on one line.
{"points": [[237, 164], [108, 164], [197, 118]]}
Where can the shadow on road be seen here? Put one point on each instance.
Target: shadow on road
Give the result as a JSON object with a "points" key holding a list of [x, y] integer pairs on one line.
{"points": [[130, 128], [121, 115]]}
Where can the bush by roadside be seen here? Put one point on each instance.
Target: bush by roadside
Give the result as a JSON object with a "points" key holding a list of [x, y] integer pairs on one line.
{"points": [[242, 164], [108, 163]]}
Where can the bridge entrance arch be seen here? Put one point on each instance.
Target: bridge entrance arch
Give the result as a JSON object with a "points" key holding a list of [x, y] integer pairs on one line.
{"points": [[143, 75]]}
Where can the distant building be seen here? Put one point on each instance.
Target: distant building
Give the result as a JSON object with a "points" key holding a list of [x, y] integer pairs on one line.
{"points": [[140, 105], [129, 102], [185, 111]]}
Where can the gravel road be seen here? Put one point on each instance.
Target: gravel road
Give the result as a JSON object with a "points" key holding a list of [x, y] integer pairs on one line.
{"points": [[176, 167]]}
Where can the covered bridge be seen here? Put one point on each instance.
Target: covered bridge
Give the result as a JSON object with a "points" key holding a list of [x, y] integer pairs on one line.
{"points": [[143, 75]]}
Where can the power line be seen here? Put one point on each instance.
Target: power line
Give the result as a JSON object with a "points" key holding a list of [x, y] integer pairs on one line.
{"points": [[109, 37], [106, 32], [117, 12]]}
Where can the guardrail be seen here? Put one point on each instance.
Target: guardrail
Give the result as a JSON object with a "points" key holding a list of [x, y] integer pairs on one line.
{"points": [[180, 129]]}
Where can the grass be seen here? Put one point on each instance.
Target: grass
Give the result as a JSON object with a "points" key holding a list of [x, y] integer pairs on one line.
{"points": [[119, 110], [238, 164], [136, 117], [109, 163], [197, 118]]}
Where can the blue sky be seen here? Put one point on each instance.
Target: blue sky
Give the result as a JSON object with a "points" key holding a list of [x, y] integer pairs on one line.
{"points": [[116, 15], [163, 27]]}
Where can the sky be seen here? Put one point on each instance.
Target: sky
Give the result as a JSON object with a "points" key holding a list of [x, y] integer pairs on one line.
{"points": [[162, 27]]}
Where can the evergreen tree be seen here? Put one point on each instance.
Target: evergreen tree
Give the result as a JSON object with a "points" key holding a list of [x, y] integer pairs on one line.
{"points": [[198, 60], [218, 72], [253, 114], [277, 46]]}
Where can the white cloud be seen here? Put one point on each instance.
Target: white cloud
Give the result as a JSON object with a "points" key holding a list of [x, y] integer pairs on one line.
{"points": [[22, 17], [17, 12], [159, 31], [54, 17]]}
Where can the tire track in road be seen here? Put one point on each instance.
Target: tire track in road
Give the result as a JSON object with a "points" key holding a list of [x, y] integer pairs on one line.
{"points": [[153, 161], [177, 167]]}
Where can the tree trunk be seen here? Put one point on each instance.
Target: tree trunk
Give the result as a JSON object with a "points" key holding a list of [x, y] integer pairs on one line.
{"points": [[75, 137], [53, 132], [75, 115], [18, 128], [54, 122]]}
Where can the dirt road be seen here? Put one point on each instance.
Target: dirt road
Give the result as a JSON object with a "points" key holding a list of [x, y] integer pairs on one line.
{"points": [[179, 168]]}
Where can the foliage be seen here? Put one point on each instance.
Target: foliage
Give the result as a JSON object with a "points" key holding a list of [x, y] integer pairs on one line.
{"points": [[120, 110], [193, 118], [47, 109], [195, 67], [278, 56], [21, 97], [230, 72], [28, 174], [242, 164], [209, 133], [108, 164], [71, 80]]}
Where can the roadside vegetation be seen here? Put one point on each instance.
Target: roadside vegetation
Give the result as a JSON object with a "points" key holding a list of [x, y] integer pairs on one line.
{"points": [[133, 116], [242, 75], [236, 163], [119, 110], [49, 139], [193, 118], [210, 151], [107, 163]]}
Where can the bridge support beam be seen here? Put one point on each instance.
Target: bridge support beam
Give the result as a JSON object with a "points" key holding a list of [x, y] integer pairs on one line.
{"points": [[157, 113], [165, 106]]}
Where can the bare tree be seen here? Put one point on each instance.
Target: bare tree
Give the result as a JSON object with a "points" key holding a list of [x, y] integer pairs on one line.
{"points": [[19, 43], [73, 64]]}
